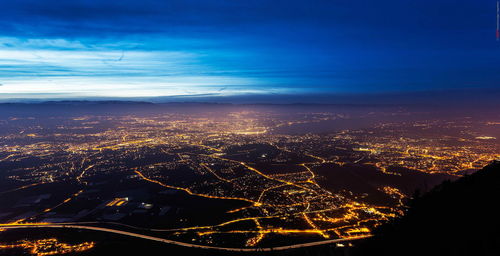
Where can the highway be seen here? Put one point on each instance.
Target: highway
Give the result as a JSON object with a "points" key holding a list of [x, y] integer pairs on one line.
{"points": [[167, 241]]}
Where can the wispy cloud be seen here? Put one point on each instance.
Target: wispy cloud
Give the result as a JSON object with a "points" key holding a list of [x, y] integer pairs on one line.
{"points": [[178, 47], [60, 66]]}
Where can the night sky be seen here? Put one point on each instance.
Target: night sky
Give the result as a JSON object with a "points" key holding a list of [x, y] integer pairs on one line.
{"points": [[147, 48]]}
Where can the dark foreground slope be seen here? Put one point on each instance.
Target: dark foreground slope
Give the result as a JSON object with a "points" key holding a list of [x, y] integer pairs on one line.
{"points": [[455, 218]]}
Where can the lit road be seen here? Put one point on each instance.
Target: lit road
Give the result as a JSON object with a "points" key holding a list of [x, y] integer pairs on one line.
{"points": [[158, 239]]}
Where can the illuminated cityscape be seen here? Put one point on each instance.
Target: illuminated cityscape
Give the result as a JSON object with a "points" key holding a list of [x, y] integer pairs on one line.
{"points": [[231, 177], [48, 247], [249, 128]]}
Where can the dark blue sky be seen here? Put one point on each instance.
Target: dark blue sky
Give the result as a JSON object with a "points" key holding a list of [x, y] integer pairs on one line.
{"points": [[83, 48]]}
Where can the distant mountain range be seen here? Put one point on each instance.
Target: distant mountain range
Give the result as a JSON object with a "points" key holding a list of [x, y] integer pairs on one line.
{"points": [[185, 103], [471, 97]]}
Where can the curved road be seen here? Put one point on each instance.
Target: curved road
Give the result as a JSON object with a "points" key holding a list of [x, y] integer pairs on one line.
{"points": [[158, 239]]}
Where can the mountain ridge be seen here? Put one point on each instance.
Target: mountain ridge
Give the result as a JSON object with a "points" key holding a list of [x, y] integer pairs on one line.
{"points": [[454, 218]]}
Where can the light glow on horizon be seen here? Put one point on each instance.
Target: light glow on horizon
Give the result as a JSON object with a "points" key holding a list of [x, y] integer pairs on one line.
{"points": [[37, 72]]}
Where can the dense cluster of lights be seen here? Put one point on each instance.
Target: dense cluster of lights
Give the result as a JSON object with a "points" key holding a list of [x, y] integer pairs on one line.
{"points": [[50, 246], [291, 201]]}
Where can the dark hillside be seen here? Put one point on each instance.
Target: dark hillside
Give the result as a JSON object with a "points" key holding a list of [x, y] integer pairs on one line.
{"points": [[455, 218]]}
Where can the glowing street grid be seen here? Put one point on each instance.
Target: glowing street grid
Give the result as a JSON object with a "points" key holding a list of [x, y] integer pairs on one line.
{"points": [[255, 184]]}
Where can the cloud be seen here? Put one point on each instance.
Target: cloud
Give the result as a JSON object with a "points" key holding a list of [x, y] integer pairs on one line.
{"points": [[77, 18], [151, 47]]}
